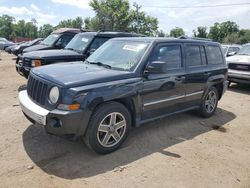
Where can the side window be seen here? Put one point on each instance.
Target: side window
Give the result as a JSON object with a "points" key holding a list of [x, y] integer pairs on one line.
{"points": [[171, 54], [193, 56], [98, 41], [214, 55], [64, 40], [236, 49]]}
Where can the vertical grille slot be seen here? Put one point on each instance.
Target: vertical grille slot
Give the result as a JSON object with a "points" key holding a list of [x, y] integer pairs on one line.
{"points": [[37, 90], [43, 94]]}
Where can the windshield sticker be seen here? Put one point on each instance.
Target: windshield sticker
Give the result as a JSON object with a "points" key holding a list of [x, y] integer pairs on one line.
{"points": [[85, 39], [133, 48]]}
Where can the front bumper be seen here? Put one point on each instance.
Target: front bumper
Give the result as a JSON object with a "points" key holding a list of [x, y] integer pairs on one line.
{"points": [[22, 70], [239, 76], [56, 122]]}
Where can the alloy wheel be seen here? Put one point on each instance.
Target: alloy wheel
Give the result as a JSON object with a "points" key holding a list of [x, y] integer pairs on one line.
{"points": [[211, 101], [111, 129]]}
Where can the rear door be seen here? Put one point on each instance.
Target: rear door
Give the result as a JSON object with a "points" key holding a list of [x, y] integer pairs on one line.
{"points": [[164, 93], [197, 72]]}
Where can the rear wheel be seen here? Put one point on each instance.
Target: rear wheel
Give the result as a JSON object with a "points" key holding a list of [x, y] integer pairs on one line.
{"points": [[108, 127], [209, 103]]}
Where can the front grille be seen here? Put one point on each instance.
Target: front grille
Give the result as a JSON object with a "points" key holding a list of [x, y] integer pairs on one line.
{"points": [[26, 62], [242, 67], [37, 90]]}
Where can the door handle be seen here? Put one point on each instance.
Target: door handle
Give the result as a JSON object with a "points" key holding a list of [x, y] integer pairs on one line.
{"points": [[180, 78], [207, 74]]}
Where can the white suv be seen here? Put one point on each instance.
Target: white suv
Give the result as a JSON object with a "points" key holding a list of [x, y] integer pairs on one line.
{"points": [[239, 66]]}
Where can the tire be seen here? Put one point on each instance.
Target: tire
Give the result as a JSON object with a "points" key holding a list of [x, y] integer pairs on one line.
{"points": [[209, 103], [108, 127]]}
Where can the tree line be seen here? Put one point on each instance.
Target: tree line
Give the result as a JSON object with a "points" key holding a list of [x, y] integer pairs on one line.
{"points": [[117, 15]]}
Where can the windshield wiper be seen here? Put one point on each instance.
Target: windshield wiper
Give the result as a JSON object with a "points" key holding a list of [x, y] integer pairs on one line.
{"points": [[100, 64], [73, 50]]}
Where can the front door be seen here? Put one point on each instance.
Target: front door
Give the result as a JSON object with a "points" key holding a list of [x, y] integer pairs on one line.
{"points": [[164, 93]]}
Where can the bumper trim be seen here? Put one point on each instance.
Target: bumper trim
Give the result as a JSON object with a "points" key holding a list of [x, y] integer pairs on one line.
{"points": [[31, 109], [239, 74]]}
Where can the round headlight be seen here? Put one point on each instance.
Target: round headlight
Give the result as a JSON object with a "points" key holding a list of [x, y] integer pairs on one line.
{"points": [[54, 95]]}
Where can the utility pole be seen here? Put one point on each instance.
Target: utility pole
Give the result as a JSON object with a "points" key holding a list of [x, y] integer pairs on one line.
{"points": [[137, 14]]}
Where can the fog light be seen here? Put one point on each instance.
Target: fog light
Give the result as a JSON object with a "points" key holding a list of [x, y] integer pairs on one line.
{"points": [[55, 122]]}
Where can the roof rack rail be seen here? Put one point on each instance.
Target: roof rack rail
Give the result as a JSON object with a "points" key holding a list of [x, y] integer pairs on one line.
{"points": [[195, 38]]}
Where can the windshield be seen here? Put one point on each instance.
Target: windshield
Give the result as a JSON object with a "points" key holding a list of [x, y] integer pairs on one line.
{"points": [[79, 42], [224, 49], [120, 55], [50, 39], [245, 50]]}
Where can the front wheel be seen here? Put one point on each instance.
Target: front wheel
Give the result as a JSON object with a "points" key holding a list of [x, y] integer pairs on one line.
{"points": [[108, 128], [209, 103]]}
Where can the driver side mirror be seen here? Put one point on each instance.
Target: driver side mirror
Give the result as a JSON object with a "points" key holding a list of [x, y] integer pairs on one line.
{"points": [[157, 67]]}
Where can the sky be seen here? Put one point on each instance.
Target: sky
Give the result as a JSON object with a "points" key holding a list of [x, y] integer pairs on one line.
{"points": [[52, 11]]}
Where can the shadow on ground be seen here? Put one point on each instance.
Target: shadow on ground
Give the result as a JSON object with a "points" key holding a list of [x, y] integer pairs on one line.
{"points": [[70, 160], [240, 88]]}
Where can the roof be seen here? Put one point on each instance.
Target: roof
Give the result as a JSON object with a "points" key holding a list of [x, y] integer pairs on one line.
{"points": [[112, 34], [165, 39], [66, 30]]}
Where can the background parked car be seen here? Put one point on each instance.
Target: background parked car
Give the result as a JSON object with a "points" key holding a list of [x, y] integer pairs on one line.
{"points": [[4, 43], [78, 49], [239, 66], [56, 40], [230, 49], [19, 48]]}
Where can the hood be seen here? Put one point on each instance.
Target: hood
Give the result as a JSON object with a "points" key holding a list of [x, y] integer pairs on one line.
{"points": [[37, 47], [239, 59], [76, 74], [50, 54]]}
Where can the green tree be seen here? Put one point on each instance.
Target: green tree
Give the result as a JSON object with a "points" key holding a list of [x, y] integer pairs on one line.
{"points": [[244, 36], [71, 23], [26, 29], [232, 38], [219, 31], [177, 32], [19, 29], [111, 14], [45, 30], [201, 32], [116, 15], [147, 25], [6, 26]]}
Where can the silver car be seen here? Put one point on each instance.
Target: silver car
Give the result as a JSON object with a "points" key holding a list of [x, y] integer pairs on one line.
{"points": [[4, 43], [239, 66], [230, 49]]}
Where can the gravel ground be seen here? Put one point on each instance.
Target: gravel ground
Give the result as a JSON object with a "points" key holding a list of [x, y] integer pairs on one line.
{"points": [[180, 151]]}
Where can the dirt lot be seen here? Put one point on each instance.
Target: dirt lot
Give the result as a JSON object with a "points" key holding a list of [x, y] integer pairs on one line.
{"points": [[179, 151]]}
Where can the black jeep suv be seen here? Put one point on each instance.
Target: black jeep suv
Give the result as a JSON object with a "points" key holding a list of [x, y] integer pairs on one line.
{"points": [[125, 83], [58, 39], [78, 49]]}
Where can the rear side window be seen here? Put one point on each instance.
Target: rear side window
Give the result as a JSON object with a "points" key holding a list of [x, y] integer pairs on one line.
{"points": [[195, 55], [171, 54], [214, 55]]}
